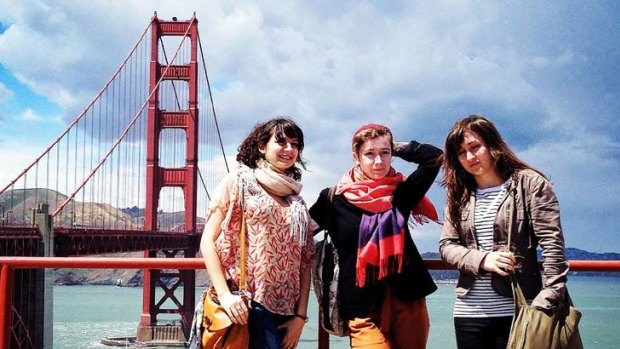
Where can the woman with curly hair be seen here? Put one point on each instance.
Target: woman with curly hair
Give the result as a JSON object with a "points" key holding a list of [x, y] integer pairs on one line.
{"points": [[492, 195], [265, 189]]}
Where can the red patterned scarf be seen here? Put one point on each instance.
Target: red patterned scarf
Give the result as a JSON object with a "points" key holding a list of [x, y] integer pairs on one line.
{"points": [[382, 234]]}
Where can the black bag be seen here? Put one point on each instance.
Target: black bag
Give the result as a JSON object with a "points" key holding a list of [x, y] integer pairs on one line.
{"points": [[325, 272]]}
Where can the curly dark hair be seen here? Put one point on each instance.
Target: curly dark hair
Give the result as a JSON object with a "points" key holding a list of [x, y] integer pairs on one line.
{"points": [[458, 182], [281, 126]]}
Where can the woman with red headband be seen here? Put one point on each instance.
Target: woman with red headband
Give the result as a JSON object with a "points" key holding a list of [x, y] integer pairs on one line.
{"points": [[383, 281]]}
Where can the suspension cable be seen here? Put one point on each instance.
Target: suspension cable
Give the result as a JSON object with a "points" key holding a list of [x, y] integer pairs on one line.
{"points": [[122, 136], [217, 127]]}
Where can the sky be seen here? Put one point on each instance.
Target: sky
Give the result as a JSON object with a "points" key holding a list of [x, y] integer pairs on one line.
{"points": [[546, 73]]}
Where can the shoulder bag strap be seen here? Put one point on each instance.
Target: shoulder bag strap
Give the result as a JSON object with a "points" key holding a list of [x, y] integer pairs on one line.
{"points": [[242, 247], [510, 218], [242, 267], [330, 196], [519, 298]]}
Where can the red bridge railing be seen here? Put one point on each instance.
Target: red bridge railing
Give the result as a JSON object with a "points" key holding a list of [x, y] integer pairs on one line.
{"points": [[9, 264]]}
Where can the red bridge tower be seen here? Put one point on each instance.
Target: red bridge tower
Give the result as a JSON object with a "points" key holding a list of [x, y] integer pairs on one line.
{"points": [[158, 177]]}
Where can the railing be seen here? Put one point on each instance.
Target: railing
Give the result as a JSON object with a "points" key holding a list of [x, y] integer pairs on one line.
{"points": [[8, 264]]}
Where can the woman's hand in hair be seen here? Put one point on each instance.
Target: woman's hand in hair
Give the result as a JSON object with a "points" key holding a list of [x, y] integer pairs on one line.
{"points": [[398, 147], [499, 262]]}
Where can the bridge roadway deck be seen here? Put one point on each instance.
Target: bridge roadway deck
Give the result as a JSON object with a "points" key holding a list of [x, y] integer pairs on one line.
{"points": [[88, 241]]}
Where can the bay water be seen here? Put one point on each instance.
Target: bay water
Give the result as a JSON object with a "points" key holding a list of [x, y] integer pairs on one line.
{"points": [[83, 315]]}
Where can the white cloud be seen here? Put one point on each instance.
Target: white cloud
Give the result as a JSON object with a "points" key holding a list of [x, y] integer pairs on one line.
{"points": [[30, 116], [13, 162], [415, 66]]}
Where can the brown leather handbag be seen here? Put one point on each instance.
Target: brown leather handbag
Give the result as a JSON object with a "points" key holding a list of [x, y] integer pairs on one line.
{"points": [[219, 331]]}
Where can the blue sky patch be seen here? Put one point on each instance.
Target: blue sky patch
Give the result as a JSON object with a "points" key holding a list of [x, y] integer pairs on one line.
{"points": [[23, 96]]}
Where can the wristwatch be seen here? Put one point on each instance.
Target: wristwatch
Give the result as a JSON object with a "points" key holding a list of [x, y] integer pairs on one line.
{"points": [[305, 318]]}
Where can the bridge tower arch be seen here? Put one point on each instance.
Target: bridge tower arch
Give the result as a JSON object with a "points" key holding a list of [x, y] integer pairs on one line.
{"points": [[158, 177]]}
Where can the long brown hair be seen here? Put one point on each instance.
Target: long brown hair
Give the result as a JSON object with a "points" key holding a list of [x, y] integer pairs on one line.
{"points": [[458, 182], [248, 151]]}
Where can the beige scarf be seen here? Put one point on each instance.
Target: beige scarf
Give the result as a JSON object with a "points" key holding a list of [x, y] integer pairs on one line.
{"points": [[279, 184], [276, 182]]}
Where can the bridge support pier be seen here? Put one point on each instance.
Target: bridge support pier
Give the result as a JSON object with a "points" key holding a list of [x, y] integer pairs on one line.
{"points": [[45, 279]]}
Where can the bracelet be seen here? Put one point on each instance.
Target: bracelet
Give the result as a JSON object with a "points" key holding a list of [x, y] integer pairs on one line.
{"points": [[305, 318]]}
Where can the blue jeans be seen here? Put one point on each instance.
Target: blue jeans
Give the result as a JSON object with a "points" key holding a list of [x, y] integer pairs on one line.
{"points": [[263, 328], [482, 333]]}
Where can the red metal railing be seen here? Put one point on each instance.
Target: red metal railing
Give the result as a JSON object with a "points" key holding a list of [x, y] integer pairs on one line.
{"points": [[8, 264]]}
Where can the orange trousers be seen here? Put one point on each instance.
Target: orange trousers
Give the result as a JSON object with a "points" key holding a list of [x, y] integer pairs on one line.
{"points": [[400, 325]]}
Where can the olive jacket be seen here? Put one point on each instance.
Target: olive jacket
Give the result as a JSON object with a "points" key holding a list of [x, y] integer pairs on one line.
{"points": [[530, 210]]}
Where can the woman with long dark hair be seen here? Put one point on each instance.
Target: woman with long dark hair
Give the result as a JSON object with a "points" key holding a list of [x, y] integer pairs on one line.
{"points": [[491, 194]]}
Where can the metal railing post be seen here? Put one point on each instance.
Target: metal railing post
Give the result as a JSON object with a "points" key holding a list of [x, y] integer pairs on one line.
{"points": [[6, 313], [323, 335]]}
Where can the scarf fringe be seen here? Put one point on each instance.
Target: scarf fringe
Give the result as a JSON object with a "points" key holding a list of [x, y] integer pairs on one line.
{"points": [[299, 220], [394, 264], [373, 273], [244, 176]]}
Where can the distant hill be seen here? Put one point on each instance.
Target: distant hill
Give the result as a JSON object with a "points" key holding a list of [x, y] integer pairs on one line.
{"points": [[571, 254], [127, 277], [134, 277], [17, 208], [18, 204], [575, 253]]}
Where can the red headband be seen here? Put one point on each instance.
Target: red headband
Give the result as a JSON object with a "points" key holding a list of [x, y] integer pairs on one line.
{"points": [[370, 126]]}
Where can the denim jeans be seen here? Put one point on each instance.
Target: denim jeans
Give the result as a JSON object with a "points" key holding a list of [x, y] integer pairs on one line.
{"points": [[263, 328], [482, 333]]}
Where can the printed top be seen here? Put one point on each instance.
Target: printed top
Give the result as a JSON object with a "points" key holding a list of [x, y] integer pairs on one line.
{"points": [[274, 256]]}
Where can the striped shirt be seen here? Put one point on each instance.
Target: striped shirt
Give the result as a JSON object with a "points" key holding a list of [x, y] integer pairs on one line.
{"points": [[482, 301]]}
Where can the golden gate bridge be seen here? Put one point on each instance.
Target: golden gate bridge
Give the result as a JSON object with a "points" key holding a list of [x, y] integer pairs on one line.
{"points": [[132, 172]]}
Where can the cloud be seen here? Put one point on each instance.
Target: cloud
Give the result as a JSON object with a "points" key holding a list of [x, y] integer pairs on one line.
{"points": [[65, 62], [581, 171], [30, 116], [20, 156], [545, 73], [5, 95]]}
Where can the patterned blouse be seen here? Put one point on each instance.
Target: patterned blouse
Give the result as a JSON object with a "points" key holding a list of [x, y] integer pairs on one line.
{"points": [[275, 257]]}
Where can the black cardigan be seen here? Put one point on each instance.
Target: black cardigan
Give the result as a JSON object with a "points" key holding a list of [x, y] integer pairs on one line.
{"points": [[414, 282]]}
